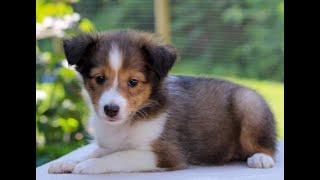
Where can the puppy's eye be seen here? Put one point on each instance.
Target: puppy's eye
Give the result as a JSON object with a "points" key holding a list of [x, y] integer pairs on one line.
{"points": [[132, 82], [100, 79]]}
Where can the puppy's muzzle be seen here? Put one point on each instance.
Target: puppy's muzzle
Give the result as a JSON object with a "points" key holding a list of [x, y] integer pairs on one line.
{"points": [[111, 110]]}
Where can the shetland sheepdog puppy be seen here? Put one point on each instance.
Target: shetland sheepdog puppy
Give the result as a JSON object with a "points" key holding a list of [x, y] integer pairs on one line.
{"points": [[147, 120]]}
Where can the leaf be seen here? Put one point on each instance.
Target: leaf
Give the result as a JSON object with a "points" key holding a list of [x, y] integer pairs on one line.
{"points": [[67, 74], [86, 25], [68, 125], [52, 9]]}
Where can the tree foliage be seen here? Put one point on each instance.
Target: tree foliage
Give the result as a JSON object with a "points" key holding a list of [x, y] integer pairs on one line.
{"points": [[60, 112]]}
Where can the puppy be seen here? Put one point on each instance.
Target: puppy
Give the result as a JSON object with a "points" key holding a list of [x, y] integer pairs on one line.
{"points": [[146, 120]]}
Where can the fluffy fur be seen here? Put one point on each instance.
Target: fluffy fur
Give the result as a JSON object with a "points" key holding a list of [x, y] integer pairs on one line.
{"points": [[146, 120]]}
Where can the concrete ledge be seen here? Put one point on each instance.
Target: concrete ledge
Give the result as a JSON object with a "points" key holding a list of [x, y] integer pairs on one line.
{"points": [[235, 171]]}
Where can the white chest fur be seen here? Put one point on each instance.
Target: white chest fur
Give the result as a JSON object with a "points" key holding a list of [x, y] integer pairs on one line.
{"points": [[126, 136]]}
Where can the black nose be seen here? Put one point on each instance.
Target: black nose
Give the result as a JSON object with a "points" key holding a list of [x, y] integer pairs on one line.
{"points": [[111, 110]]}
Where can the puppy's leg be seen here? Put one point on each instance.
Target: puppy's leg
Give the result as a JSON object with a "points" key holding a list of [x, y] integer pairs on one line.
{"points": [[257, 136], [67, 166], [122, 161], [260, 160]]}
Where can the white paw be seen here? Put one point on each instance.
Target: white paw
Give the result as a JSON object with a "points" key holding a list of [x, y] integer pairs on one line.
{"points": [[65, 166], [260, 160], [90, 166]]}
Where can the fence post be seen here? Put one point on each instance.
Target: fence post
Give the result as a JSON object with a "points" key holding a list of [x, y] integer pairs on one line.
{"points": [[162, 18]]}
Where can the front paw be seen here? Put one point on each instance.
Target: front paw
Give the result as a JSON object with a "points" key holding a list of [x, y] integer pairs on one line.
{"points": [[90, 166], [260, 160], [65, 166]]}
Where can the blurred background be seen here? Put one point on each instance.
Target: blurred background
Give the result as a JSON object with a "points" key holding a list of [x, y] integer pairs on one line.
{"points": [[238, 40]]}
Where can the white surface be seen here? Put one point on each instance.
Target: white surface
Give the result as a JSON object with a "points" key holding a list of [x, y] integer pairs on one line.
{"points": [[235, 171]]}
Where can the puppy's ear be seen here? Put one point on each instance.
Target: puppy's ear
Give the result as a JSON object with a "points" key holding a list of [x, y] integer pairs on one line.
{"points": [[161, 58], [78, 48]]}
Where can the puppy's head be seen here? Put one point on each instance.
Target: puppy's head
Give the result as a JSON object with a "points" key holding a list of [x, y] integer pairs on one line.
{"points": [[121, 71]]}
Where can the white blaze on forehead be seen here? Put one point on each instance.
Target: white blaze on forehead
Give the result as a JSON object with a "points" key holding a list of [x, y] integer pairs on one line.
{"points": [[115, 58], [113, 96]]}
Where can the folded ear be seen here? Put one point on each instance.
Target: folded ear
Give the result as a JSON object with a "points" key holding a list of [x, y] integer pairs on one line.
{"points": [[78, 48], [160, 57]]}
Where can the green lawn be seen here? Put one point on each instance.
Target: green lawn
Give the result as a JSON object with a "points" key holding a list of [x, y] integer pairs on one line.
{"points": [[272, 91]]}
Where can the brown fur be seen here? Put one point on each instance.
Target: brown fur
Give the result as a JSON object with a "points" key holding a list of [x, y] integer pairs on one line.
{"points": [[95, 90], [215, 123], [95, 63], [210, 121]]}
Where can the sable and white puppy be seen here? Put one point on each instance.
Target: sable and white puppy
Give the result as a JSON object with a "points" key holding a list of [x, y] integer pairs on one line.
{"points": [[146, 120]]}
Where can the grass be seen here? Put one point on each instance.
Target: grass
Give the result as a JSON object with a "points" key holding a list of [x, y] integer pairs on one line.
{"points": [[273, 92]]}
